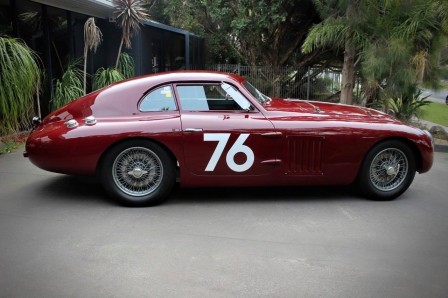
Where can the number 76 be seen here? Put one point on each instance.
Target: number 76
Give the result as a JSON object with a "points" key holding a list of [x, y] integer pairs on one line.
{"points": [[238, 147]]}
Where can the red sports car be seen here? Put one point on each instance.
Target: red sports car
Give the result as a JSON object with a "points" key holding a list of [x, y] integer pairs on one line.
{"points": [[216, 129]]}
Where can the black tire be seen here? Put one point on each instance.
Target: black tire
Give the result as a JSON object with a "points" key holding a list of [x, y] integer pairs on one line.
{"points": [[138, 173], [387, 171]]}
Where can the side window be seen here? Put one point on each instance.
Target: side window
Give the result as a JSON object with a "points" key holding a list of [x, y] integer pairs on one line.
{"points": [[211, 97], [160, 99], [192, 98]]}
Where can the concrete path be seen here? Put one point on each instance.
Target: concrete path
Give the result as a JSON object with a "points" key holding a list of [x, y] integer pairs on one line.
{"points": [[62, 237], [436, 96]]}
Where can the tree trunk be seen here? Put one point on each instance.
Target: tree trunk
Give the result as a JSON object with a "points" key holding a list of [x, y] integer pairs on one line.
{"points": [[85, 70], [348, 69], [348, 74], [119, 53]]}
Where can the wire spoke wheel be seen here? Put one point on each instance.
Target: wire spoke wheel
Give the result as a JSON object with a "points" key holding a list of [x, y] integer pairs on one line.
{"points": [[388, 169], [137, 171]]}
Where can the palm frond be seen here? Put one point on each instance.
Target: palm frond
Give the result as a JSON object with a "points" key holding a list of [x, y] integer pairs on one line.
{"points": [[69, 87], [31, 18], [20, 76], [92, 39], [126, 66], [106, 76], [129, 14], [92, 35], [419, 24], [329, 33]]}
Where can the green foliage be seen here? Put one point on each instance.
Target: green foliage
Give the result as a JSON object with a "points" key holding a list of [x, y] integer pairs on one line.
{"points": [[106, 76], [7, 147], [436, 113], [69, 87], [330, 32], [11, 142], [409, 105], [261, 32], [20, 80], [398, 43], [126, 66]]}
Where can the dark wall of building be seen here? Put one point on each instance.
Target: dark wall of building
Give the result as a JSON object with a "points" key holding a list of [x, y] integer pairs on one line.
{"points": [[57, 36]]}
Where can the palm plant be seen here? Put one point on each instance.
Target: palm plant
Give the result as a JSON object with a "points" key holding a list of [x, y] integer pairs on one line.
{"points": [[20, 78], [129, 14], [106, 76], [409, 105], [69, 87], [396, 43], [126, 66], [340, 29], [92, 39]]}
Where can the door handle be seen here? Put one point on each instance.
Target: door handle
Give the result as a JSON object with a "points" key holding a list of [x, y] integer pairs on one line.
{"points": [[272, 134], [193, 130]]}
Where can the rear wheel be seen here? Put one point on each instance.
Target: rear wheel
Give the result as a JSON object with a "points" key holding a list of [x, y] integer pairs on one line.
{"points": [[387, 171], [138, 173]]}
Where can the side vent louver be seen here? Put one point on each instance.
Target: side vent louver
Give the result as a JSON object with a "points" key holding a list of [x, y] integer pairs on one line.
{"points": [[305, 155]]}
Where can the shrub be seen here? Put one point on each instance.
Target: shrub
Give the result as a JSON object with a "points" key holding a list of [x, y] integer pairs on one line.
{"points": [[20, 81], [69, 87]]}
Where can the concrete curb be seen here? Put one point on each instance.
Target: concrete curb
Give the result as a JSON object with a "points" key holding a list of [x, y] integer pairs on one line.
{"points": [[441, 148]]}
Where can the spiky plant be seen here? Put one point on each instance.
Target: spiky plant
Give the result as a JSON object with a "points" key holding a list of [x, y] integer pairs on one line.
{"points": [[69, 87], [129, 14], [92, 39], [126, 66], [409, 105], [20, 78], [106, 76]]}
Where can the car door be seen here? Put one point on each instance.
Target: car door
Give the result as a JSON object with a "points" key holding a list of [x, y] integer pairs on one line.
{"points": [[223, 134]]}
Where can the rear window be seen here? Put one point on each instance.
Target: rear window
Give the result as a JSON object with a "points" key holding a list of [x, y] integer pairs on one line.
{"points": [[160, 99]]}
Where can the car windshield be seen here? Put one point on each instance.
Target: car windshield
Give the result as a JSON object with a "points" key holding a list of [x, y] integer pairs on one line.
{"points": [[257, 94]]}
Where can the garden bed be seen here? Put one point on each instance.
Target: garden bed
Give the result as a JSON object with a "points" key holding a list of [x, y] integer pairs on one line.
{"points": [[11, 142]]}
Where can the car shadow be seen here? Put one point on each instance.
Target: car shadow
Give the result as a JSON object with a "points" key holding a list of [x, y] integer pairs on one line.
{"points": [[66, 188], [88, 189], [262, 194]]}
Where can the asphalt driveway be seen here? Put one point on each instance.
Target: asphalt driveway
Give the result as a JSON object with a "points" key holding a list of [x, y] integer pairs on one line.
{"points": [[61, 237]]}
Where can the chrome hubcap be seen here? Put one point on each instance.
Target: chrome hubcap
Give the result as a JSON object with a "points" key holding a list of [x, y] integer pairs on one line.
{"points": [[389, 169], [137, 171]]}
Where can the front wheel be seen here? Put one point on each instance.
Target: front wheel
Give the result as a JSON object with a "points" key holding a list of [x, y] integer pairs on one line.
{"points": [[138, 173], [387, 171]]}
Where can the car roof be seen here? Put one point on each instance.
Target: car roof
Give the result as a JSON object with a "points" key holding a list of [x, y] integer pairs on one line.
{"points": [[114, 99], [188, 75]]}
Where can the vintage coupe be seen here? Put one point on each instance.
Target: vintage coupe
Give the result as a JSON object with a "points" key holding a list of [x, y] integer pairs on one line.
{"points": [[216, 129]]}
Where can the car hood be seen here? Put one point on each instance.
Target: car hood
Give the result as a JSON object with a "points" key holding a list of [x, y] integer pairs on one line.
{"points": [[325, 111]]}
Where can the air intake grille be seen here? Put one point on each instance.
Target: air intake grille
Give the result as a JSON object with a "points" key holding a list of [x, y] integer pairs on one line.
{"points": [[305, 155]]}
